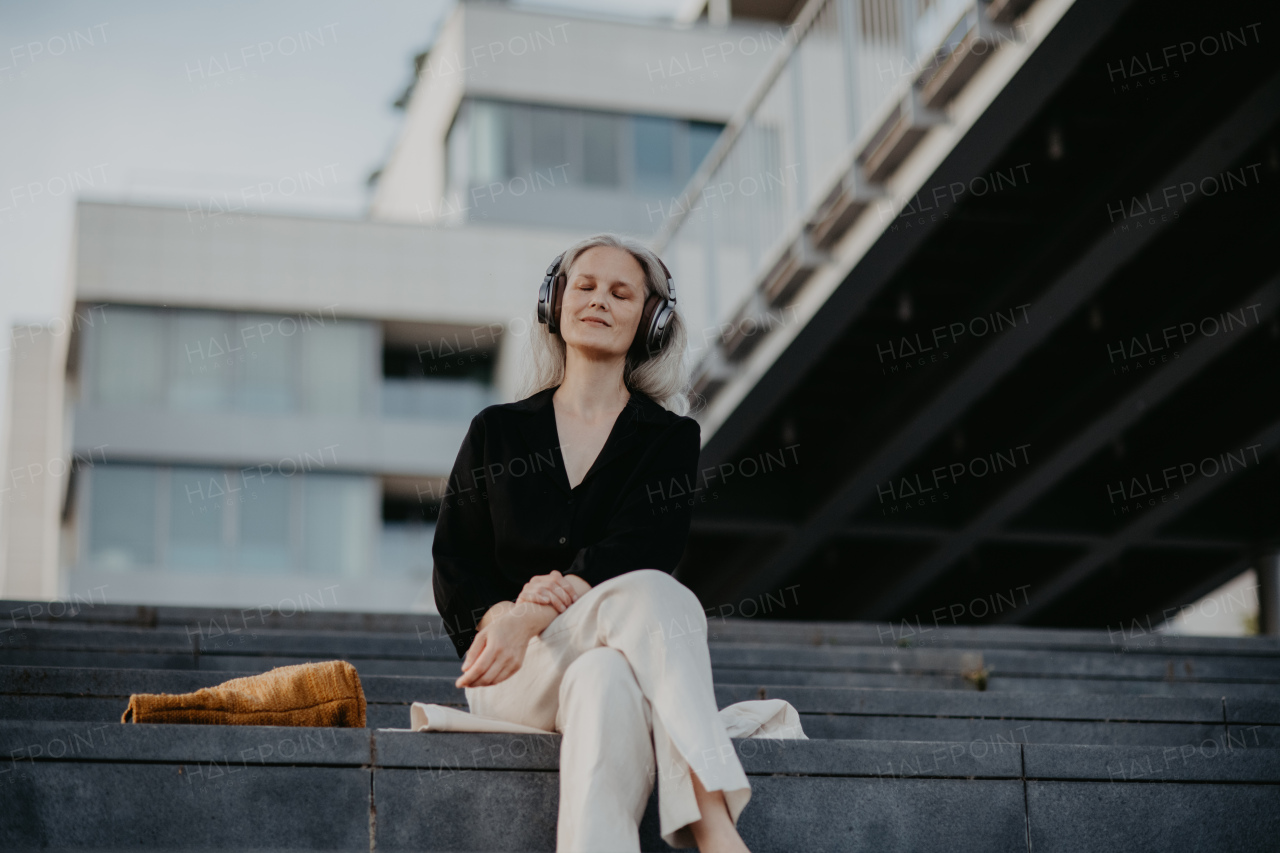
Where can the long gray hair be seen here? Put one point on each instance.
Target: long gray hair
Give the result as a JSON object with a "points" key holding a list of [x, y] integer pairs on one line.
{"points": [[664, 377]]}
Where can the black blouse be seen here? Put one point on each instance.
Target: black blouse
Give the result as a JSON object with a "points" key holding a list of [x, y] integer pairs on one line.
{"points": [[508, 512]]}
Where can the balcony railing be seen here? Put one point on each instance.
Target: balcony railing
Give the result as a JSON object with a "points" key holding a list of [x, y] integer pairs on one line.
{"points": [[856, 86]]}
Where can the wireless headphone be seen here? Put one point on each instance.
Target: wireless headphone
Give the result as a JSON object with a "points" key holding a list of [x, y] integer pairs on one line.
{"points": [[655, 318]]}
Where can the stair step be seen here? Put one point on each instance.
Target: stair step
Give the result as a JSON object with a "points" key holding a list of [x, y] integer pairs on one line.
{"points": [[827, 713], [932, 631], [289, 788]]}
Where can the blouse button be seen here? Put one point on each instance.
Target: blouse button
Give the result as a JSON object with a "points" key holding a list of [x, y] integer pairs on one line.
{"points": [[561, 540]]}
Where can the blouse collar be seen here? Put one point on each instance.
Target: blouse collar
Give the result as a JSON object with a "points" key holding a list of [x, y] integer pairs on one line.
{"points": [[540, 430]]}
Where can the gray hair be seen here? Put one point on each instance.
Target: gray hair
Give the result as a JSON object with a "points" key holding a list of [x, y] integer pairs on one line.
{"points": [[664, 377]]}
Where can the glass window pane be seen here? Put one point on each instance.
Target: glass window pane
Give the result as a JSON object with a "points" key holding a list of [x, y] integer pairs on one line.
{"points": [[127, 363], [339, 513], [122, 516], [702, 135], [265, 375], [203, 357], [654, 152], [600, 149], [547, 135], [265, 522], [198, 500], [449, 399], [336, 363], [405, 549], [490, 142]]}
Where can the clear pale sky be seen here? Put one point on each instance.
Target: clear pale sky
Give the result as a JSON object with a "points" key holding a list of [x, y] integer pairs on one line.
{"points": [[124, 100]]}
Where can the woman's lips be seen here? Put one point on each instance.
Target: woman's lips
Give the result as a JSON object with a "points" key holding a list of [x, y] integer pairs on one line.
{"points": [[594, 320]]}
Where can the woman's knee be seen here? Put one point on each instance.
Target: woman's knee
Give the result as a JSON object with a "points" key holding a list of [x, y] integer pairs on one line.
{"points": [[603, 668], [661, 589]]}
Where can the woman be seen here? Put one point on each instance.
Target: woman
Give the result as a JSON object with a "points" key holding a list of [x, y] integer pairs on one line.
{"points": [[562, 522]]}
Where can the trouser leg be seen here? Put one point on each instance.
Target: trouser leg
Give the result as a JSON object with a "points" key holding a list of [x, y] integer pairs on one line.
{"points": [[659, 626], [606, 755]]}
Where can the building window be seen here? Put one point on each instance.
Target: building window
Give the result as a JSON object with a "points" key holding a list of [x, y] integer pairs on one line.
{"points": [[198, 518], [251, 520], [548, 139], [491, 142], [702, 136], [337, 525], [122, 516], [600, 150], [654, 147], [264, 543], [207, 361], [585, 147], [127, 366], [432, 373], [408, 529]]}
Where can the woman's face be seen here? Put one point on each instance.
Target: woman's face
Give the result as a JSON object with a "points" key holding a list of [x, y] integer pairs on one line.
{"points": [[603, 299]]}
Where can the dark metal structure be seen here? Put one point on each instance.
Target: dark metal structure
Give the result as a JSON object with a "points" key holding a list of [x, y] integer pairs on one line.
{"points": [[1056, 390]]}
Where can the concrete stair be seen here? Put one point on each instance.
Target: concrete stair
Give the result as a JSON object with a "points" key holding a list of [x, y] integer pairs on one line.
{"points": [[956, 739]]}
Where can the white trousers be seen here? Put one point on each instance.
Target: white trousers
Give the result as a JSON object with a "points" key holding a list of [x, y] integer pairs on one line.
{"points": [[624, 675]]}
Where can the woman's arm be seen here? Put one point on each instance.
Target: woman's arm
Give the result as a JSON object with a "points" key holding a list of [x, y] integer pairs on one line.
{"points": [[500, 644], [540, 614], [465, 573]]}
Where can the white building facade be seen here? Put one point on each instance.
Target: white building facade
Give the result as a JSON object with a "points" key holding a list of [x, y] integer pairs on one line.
{"points": [[247, 409]]}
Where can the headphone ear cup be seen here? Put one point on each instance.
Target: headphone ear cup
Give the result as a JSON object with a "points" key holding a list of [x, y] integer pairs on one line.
{"points": [[643, 345], [557, 299], [659, 327]]}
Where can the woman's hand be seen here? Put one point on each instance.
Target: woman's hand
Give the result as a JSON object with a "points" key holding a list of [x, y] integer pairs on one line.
{"points": [[554, 590], [496, 653]]}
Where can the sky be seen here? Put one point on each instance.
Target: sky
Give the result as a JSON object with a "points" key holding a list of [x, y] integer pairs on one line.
{"points": [[183, 103]]}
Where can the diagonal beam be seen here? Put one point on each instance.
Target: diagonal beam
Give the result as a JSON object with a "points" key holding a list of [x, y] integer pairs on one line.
{"points": [[1139, 532], [916, 533], [1215, 152], [1035, 537], [1082, 27], [1086, 443]]}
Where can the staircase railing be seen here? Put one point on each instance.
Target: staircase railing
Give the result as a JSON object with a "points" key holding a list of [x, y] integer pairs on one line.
{"points": [[856, 85]]}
